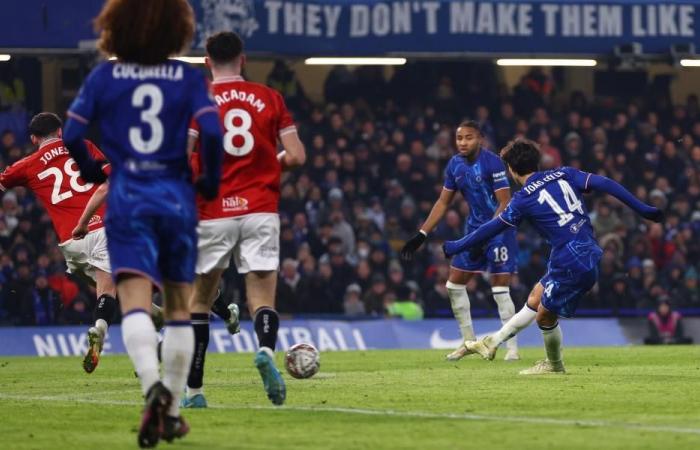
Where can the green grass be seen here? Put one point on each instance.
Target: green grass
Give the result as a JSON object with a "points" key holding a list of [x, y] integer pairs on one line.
{"points": [[626, 398]]}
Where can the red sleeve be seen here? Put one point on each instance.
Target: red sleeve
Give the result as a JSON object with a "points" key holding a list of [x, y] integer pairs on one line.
{"points": [[193, 129], [97, 154], [15, 175], [285, 123]]}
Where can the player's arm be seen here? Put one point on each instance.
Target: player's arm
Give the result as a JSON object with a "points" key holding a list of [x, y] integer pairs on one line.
{"points": [[97, 199], [476, 238], [294, 153], [436, 214], [80, 113], [503, 198], [210, 150], [604, 184]]}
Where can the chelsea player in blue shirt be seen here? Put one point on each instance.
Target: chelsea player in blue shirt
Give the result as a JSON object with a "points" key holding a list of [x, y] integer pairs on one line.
{"points": [[552, 201], [480, 176], [143, 103]]}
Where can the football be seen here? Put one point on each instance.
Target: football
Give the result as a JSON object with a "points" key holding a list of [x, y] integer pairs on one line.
{"points": [[302, 360]]}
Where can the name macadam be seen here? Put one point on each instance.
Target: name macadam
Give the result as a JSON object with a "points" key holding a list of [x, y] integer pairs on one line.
{"points": [[325, 339], [485, 18]]}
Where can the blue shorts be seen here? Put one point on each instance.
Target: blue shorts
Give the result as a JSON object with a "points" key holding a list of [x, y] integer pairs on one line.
{"points": [[500, 256], [564, 288], [153, 234]]}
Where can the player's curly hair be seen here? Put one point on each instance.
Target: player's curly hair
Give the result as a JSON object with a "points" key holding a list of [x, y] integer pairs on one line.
{"points": [[145, 32], [522, 156]]}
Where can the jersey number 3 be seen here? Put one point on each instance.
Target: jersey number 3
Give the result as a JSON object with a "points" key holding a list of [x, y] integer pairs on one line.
{"points": [[70, 169], [149, 116]]}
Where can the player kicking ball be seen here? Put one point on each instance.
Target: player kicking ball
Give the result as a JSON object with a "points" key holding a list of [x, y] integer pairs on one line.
{"points": [[143, 102], [552, 201], [481, 178], [243, 220], [54, 178]]}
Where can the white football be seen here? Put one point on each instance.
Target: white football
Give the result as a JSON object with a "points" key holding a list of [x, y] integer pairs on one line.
{"points": [[302, 360]]}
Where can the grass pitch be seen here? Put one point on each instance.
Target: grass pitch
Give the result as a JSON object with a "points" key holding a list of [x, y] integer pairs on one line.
{"points": [[612, 398]]}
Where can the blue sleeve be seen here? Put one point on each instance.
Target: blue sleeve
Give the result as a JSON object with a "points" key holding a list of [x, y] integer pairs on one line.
{"points": [[579, 179], [598, 183], [512, 215], [498, 173], [479, 236], [207, 117], [450, 183], [83, 108]]}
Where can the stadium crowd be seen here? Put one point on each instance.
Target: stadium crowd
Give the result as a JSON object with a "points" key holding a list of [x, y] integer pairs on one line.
{"points": [[376, 152]]}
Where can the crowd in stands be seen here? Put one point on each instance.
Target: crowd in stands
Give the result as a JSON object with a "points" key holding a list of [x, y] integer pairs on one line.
{"points": [[377, 148]]}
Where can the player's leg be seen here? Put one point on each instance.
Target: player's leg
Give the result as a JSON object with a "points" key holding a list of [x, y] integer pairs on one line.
{"points": [[257, 256], [500, 287], [461, 307], [260, 289], [177, 350], [201, 299], [105, 310], [522, 319], [551, 333]]}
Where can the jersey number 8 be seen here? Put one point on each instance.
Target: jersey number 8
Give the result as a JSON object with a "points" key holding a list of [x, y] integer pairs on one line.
{"points": [[242, 130]]}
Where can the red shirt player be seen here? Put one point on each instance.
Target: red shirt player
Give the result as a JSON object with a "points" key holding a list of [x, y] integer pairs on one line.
{"points": [[243, 222], [54, 178]]}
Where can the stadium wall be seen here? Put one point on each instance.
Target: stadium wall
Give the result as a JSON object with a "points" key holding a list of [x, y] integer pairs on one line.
{"points": [[329, 335]]}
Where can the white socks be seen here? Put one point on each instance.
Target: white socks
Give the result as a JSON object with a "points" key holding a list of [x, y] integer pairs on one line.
{"points": [[141, 342], [461, 309], [506, 310], [177, 350], [552, 342], [521, 320]]}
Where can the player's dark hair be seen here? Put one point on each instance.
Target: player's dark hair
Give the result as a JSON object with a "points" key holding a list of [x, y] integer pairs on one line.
{"points": [[470, 124], [44, 124], [224, 47], [522, 156], [145, 32]]}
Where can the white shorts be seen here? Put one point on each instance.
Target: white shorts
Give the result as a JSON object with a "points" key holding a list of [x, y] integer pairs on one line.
{"points": [[87, 254], [252, 240]]}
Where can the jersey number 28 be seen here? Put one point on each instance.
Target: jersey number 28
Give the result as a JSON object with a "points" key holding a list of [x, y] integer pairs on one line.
{"points": [[70, 168]]}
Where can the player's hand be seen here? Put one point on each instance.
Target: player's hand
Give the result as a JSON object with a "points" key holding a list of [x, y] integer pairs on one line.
{"points": [[80, 231], [91, 171], [206, 188], [654, 214], [413, 244]]}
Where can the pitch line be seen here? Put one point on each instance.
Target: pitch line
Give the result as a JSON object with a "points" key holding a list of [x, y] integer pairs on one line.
{"points": [[385, 413]]}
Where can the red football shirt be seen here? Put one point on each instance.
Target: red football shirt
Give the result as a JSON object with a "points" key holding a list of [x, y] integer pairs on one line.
{"points": [[253, 116], [53, 176]]}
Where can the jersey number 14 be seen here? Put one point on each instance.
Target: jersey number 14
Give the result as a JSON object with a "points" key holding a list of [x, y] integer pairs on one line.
{"points": [[572, 202]]}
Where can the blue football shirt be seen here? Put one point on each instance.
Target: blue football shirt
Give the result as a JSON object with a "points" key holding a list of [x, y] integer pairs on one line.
{"points": [[477, 182]]}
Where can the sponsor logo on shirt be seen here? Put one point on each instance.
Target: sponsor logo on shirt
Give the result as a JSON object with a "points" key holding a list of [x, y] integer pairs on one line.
{"points": [[94, 220], [234, 203]]}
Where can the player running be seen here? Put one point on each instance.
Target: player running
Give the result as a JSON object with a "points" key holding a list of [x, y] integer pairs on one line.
{"points": [[143, 103], [54, 178], [552, 201], [243, 220], [481, 178]]}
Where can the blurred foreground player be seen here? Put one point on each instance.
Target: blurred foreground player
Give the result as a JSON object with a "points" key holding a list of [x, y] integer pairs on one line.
{"points": [[552, 202], [143, 103], [54, 178], [480, 176], [243, 220]]}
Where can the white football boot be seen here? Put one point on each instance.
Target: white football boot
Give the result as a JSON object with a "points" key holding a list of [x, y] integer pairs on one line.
{"points": [[544, 367], [485, 347], [512, 355], [459, 353]]}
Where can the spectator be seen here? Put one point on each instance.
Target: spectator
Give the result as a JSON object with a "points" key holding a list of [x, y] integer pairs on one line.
{"points": [[352, 302], [665, 326]]}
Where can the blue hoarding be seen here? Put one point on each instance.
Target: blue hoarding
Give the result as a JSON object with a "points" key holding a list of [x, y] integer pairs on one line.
{"points": [[326, 335], [362, 27]]}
